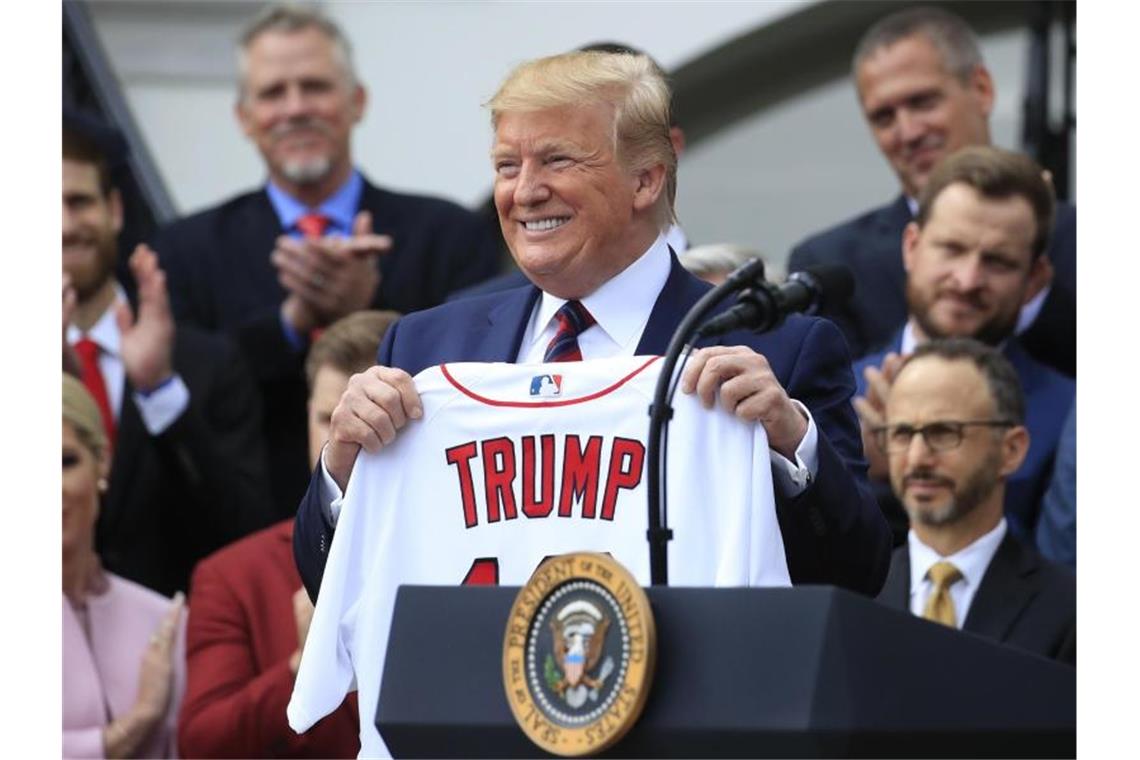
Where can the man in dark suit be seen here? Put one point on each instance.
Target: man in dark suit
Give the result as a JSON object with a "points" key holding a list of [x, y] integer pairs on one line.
{"points": [[954, 433], [926, 93], [971, 258], [583, 215], [180, 406], [275, 266]]}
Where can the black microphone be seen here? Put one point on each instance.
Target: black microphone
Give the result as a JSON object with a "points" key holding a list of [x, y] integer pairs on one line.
{"points": [[764, 305]]}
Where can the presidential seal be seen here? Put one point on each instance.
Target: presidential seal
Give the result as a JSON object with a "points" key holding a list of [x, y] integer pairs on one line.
{"points": [[578, 654]]}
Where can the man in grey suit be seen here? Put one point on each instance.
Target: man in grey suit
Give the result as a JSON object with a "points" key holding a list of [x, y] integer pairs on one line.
{"points": [[954, 433]]}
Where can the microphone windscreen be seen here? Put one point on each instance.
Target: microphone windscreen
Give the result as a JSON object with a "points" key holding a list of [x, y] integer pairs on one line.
{"points": [[835, 281]]}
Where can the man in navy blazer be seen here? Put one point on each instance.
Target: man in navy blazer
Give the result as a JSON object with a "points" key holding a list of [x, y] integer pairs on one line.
{"points": [[583, 196], [274, 267], [926, 93], [970, 260], [953, 435]]}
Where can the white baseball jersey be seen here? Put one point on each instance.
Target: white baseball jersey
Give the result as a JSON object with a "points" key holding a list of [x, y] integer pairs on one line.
{"points": [[512, 463]]}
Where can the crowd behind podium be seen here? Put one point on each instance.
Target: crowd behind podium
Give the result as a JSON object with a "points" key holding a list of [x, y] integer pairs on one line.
{"points": [[197, 396]]}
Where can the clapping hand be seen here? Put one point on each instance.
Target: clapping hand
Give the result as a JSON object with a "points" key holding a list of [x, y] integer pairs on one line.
{"points": [[147, 342], [329, 277], [872, 409]]}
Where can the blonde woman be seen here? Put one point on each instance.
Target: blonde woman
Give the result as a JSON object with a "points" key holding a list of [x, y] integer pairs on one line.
{"points": [[123, 672]]}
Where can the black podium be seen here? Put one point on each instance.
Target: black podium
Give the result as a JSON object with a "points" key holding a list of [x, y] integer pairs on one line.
{"points": [[810, 671]]}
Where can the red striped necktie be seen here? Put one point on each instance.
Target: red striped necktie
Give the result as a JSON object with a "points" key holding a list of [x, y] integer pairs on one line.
{"points": [[573, 319]]}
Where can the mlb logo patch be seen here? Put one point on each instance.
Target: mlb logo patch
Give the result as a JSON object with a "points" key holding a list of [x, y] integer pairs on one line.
{"points": [[546, 385]]}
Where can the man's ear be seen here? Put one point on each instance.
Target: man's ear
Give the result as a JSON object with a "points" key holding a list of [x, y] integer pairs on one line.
{"points": [[115, 208], [359, 102], [982, 87], [1014, 447], [911, 233], [1039, 278], [244, 118], [650, 183]]}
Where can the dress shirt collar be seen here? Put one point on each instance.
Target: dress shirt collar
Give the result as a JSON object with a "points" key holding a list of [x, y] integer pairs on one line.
{"points": [[675, 237], [105, 332], [621, 306], [971, 561], [340, 207], [912, 204]]}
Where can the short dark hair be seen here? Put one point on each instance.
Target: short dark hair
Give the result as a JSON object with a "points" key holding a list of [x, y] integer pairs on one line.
{"points": [[999, 374], [82, 149], [349, 344], [995, 174], [954, 39]]}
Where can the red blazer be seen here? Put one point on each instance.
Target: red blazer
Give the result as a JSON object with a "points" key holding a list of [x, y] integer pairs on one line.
{"points": [[239, 636]]}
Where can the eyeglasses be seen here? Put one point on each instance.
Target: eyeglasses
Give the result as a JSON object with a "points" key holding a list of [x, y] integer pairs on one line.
{"points": [[942, 435]]}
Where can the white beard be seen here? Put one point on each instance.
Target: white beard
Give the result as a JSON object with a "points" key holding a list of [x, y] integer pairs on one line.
{"points": [[307, 172]]}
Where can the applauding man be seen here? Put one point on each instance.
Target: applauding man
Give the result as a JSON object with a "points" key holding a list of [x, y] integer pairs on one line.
{"points": [[318, 241], [179, 407]]}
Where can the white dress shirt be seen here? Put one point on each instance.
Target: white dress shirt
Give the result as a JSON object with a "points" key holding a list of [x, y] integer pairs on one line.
{"points": [[621, 309], [971, 562], [158, 409]]}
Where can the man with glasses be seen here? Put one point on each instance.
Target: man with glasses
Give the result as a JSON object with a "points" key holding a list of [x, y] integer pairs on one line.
{"points": [[971, 257], [954, 433]]}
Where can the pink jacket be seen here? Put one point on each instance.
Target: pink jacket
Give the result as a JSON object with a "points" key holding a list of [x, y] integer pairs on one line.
{"points": [[101, 676]]}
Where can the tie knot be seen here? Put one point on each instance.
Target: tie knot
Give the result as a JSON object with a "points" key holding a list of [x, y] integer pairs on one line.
{"points": [[574, 318], [87, 349], [313, 224], [944, 574]]}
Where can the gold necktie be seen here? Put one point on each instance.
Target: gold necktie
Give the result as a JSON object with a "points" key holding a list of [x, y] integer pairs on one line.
{"points": [[939, 605]]}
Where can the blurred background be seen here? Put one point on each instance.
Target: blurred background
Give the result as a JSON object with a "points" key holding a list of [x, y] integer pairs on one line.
{"points": [[776, 149]]}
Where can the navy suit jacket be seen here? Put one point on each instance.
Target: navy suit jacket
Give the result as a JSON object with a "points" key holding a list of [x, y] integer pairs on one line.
{"points": [[202, 483], [833, 531], [221, 279], [1023, 600], [871, 245], [1048, 398]]}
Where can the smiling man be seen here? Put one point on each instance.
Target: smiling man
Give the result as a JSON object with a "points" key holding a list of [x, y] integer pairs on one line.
{"points": [[179, 407], [954, 433], [926, 93], [971, 257], [585, 177], [318, 241]]}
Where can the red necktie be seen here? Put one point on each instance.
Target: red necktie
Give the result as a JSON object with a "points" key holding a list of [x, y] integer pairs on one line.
{"points": [[88, 351], [313, 224], [573, 319]]}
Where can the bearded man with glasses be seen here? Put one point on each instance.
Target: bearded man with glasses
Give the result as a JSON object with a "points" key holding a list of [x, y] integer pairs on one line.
{"points": [[954, 433]]}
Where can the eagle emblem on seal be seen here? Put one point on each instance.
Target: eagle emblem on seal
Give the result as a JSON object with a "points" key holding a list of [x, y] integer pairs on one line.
{"points": [[579, 631]]}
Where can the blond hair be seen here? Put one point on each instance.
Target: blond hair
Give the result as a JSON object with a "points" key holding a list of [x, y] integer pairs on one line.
{"points": [[631, 85], [82, 413]]}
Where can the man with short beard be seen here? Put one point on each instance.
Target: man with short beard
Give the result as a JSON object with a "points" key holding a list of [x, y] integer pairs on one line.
{"points": [[954, 434], [180, 407], [971, 256], [275, 266]]}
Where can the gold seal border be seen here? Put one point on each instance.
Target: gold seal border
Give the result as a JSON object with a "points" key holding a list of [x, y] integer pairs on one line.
{"points": [[612, 725]]}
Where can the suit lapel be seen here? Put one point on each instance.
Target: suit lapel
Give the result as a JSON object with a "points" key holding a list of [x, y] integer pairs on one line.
{"points": [[1005, 590], [129, 439], [681, 291], [500, 337], [896, 590]]}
